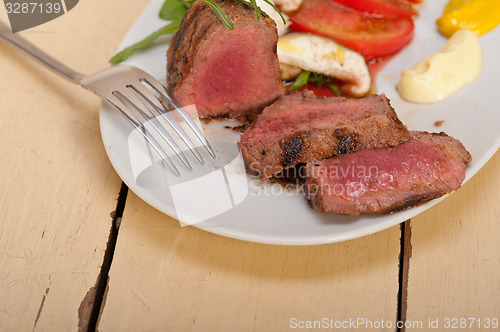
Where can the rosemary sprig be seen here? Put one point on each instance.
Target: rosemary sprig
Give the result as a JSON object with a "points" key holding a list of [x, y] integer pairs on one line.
{"points": [[256, 8], [221, 14], [259, 11], [276, 9], [174, 10]]}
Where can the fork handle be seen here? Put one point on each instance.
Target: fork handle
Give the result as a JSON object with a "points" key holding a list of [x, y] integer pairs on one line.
{"points": [[37, 54]]}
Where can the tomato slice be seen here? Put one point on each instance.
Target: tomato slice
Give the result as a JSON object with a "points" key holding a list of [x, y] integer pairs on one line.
{"points": [[387, 8], [371, 36], [319, 92]]}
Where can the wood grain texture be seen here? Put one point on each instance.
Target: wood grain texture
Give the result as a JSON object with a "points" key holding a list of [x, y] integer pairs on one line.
{"points": [[165, 277], [58, 187], [455, 264]]}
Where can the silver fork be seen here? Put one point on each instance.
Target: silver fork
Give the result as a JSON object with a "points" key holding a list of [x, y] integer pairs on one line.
{"points": [[126, 89]]}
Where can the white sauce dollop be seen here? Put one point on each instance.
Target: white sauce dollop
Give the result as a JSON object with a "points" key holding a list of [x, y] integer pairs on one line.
{"points": [[440, 75]]}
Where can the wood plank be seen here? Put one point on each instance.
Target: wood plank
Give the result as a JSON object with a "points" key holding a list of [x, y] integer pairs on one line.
{"points": [[167, 277], [58, 187], [455, 264]]}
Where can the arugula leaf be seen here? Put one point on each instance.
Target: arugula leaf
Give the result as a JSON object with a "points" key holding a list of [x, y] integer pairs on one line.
{"points": [[166, 30], [173, 10], [335, 89], [301, 80], [320, 80]]}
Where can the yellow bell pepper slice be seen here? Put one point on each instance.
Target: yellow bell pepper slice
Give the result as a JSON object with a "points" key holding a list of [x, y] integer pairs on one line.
{"points": [[479, 16]]}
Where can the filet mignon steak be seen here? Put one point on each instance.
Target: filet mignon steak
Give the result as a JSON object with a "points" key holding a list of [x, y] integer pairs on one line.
{"points": [[224, 72], [387, 179]]}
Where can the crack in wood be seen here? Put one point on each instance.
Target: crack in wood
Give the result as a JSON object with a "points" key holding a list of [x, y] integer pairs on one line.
{"points": [[41, 307], [404, 267], [85, 309], [93, 302]]}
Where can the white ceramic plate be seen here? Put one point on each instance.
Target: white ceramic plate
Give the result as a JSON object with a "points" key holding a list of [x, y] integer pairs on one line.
{"points": [[266, 214]]}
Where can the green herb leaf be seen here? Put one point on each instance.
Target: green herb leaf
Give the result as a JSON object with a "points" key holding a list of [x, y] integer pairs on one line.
{"points": [[187, 3], [335, 89], [123, 55], [250, 5], [319, 79], [301, 80], [173, 10], [221, 14], [256, 8], [276, 9]]}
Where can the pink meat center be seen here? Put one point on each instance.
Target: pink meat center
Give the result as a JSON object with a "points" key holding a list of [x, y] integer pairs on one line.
{"points": [[232, 72]]}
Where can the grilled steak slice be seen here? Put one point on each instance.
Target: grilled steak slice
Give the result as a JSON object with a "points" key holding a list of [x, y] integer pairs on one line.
{"points": [[221, 71], [386, 180], [297, 129], [452, 146]]}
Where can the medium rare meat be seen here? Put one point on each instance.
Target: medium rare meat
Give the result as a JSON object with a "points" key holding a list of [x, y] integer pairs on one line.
{"points": [[297, 129], [386, 180], [221, 71], [452, 146]]}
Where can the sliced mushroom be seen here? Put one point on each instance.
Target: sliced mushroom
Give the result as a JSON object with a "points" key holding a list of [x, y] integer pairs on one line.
{"points": [[325, 56], [288, 73]]}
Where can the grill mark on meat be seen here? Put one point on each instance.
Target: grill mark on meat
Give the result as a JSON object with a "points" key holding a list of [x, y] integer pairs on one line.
{"points": [[292, 149], [299, 129], [198, 34], [194, 29], [347, 142]]}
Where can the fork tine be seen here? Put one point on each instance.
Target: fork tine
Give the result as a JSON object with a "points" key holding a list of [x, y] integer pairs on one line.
{"points": [[120, 107], [134, 100], [159, 107], [191, 123], [175, 105]]}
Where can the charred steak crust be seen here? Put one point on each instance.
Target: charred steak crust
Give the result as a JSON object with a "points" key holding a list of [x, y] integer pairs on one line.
{"points": [[293, 148], [388, 180], [196, 51], [298, 129], [185, 43]]}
